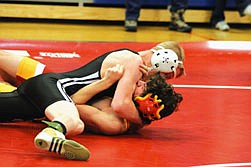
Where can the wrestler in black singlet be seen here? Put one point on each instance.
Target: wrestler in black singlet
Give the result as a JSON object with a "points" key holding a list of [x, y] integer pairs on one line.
{"points": [[32, 97]]}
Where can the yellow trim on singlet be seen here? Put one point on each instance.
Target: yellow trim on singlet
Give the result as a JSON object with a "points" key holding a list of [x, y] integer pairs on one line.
{"points": [[28, 68], [5, 87]]}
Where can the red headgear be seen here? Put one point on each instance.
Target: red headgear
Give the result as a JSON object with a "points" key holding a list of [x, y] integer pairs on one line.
{"points": [[149, 107]]}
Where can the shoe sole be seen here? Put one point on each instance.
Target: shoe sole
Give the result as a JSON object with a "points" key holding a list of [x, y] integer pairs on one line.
{"points": [[68, 148], [222, 29], [177, 29], [131, 29]]}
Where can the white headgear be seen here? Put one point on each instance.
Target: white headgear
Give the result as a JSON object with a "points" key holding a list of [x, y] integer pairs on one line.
{"points": [[164, 60]]}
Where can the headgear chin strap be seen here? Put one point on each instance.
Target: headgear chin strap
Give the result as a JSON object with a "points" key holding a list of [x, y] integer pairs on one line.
{"points": [[149, 106], [164, 60]]}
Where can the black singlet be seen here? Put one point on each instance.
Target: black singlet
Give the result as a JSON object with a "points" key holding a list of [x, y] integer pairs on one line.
{"points": [[34, 95]]}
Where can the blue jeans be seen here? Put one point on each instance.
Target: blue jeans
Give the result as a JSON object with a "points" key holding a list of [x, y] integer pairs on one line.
{"points": [[219, 8], [133, 7]]}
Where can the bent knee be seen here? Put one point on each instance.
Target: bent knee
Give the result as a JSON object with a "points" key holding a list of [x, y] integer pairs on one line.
{"points": [[74, 125], [80, 126], [66, 113]]}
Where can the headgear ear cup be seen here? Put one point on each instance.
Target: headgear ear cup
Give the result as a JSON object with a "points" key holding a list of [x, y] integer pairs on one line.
{"points": [[164, 60]]}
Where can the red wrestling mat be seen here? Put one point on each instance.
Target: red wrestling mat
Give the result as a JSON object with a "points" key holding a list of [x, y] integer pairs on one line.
{"points": [[211, 127]]}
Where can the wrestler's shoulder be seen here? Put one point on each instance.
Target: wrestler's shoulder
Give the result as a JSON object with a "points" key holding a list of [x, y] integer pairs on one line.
{"points": [[126, 56], [125, 52]]}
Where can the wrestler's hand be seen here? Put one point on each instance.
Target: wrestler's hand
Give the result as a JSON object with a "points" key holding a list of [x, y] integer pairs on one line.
{"points": [[113, 74], [144, 70]]}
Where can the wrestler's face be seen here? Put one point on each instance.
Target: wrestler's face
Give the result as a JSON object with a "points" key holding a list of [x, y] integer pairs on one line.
{"points": [[170, 75], [165, 75], [140, 88]]}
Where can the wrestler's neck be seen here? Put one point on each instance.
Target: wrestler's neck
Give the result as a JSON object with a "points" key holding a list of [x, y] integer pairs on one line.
{"points": [[146, 56]]}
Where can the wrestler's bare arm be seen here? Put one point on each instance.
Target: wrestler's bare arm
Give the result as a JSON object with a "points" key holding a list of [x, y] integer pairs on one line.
{"points": [[122, 102], [100, 118], [8, 66]]}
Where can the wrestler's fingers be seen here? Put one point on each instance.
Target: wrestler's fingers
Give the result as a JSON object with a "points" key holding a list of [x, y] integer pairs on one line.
{"points": [[117, 68], [144, 70], [120, 68], [115, 72]]}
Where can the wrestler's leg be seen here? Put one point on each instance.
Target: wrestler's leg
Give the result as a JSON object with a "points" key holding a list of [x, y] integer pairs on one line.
{"points": [[66, 113], [53, 139], [15, 69], [15, 107], [8, 66]]}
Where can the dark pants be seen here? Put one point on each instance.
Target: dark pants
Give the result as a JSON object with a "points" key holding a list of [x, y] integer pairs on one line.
{"points": [[133, 7], [219, 7]]}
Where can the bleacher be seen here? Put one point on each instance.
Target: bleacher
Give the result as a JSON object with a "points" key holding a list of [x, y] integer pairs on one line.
{"points": [[199, 11]]}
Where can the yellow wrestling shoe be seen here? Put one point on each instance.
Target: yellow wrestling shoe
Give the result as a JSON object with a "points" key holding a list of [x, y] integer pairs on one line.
{"points": [[54, 141]]}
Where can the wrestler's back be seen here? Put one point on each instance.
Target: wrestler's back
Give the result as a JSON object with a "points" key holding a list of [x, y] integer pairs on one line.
{"points": [[59, 86], [124, 57]]}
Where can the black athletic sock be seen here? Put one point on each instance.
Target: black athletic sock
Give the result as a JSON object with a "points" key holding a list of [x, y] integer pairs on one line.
{"points": [[56, 125]]}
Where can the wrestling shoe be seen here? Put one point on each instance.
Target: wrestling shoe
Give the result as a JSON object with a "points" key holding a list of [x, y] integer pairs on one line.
{"points": [[222, 25], [178, 23], [131, 25], [54, 141], [247, 10]]}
